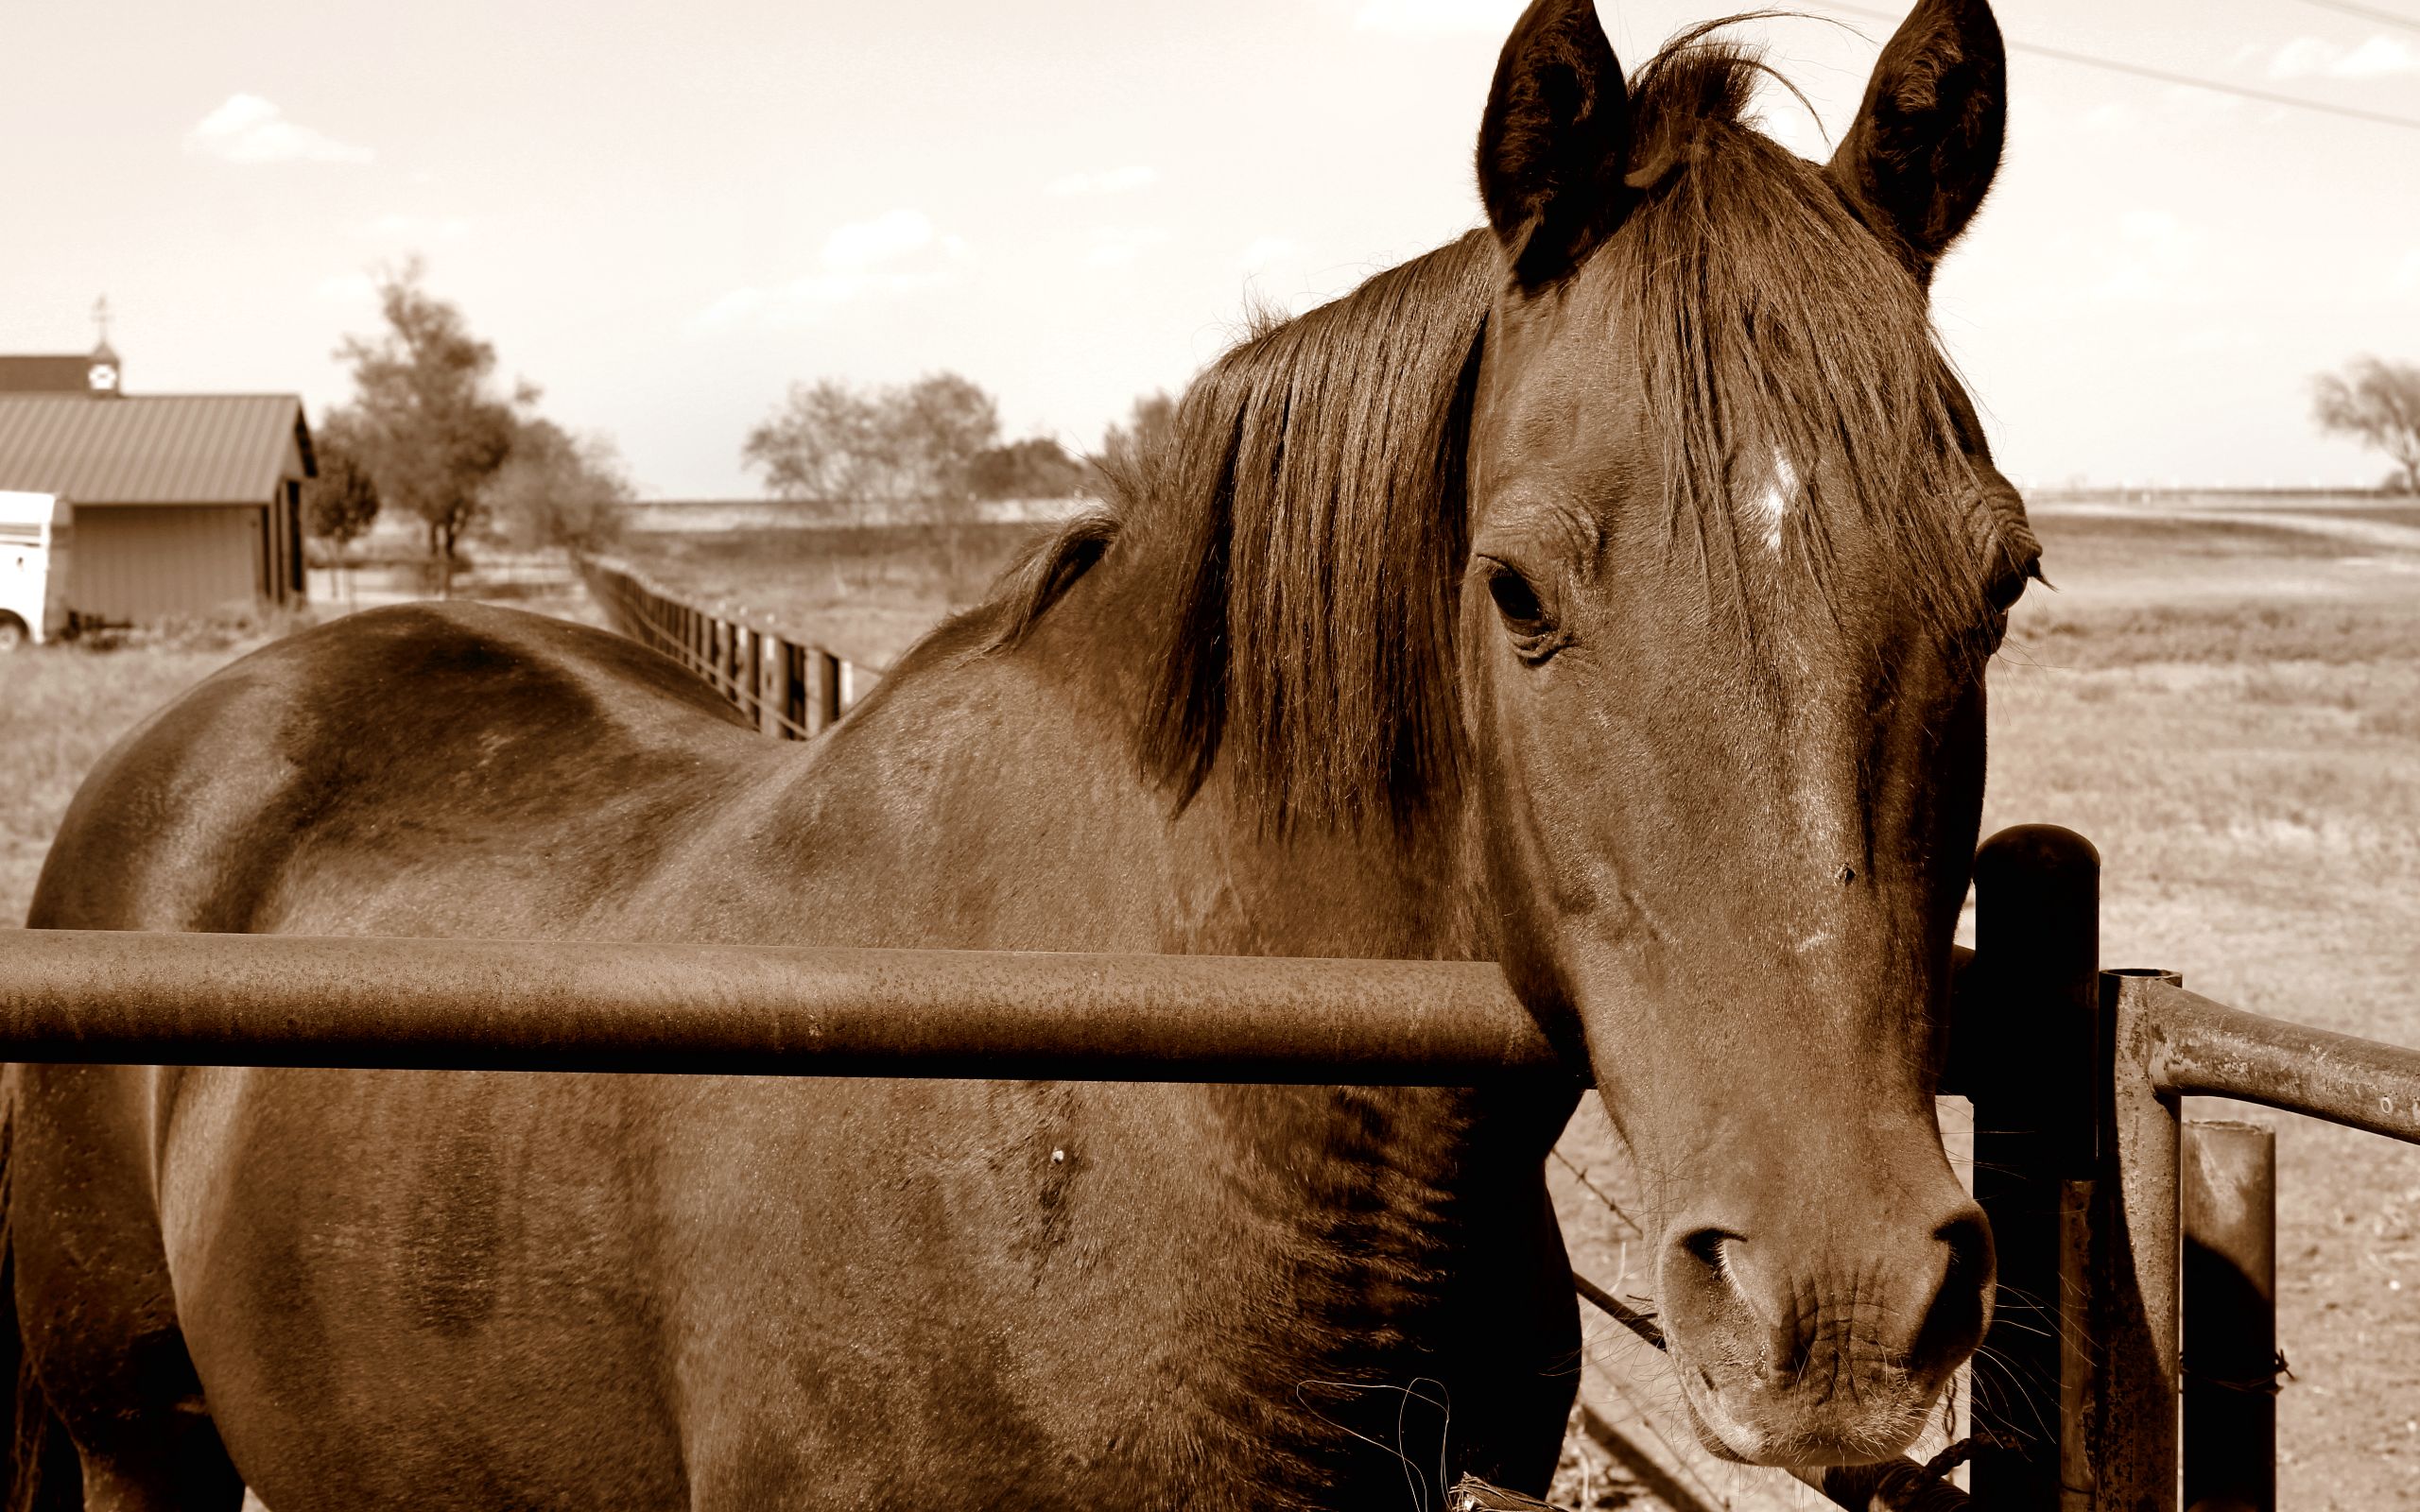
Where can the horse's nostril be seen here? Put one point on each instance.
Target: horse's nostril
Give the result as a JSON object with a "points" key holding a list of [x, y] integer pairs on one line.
{"points": [[1954, 1322], [1705, 1246], [1969, 1238]]}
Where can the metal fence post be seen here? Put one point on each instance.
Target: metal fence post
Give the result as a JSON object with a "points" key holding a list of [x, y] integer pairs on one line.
{"points": [[822, 690], [774, 686], [2229, 1354], [2024, 1051], [2134, 1266], [751, 675]]}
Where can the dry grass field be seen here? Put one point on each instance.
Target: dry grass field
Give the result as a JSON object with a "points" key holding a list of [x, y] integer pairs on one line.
{"points": [[2224, 695]]}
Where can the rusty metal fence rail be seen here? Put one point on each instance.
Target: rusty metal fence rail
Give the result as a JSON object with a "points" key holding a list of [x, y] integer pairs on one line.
{"points": [[788, 688], [2138, 1301]]}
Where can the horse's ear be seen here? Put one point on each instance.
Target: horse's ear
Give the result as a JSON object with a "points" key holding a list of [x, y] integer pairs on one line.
{"points": [[1928, 140], [1552, 143]]}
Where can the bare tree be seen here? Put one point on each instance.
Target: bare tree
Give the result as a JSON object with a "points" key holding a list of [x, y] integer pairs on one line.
{"points": [[831, 443], [2377, 403], [823, 444], [1148, 426], [557, 490]]}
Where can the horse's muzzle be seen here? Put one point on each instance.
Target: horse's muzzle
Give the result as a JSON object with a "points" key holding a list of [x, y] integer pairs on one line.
{"points": [[1793, 1355]]}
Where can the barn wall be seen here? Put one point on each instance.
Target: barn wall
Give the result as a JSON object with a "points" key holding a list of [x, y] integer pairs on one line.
{"points": [[149, 562]]}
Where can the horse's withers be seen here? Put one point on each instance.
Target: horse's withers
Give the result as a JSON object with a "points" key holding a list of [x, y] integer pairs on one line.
{"points": [[1745, 563]]}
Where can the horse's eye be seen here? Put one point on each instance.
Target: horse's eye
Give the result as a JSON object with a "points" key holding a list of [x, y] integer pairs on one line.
{"points": [[2010, 586], [1517, 601]]}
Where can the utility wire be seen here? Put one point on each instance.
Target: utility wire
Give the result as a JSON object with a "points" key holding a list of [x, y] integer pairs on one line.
{"points": [[2369, 12], [2409, 123]]}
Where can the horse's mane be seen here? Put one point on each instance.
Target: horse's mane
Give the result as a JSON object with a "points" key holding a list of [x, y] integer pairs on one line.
{"points": [[1306, 522]]}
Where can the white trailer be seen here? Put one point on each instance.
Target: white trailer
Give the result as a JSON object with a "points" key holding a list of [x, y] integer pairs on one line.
{"points": [[35, 530]]}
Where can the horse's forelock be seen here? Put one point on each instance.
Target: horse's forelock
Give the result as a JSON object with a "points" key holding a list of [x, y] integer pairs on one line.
{"points": [[1767, 318]]}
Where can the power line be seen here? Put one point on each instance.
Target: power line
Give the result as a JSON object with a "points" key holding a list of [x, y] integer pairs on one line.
{"points": [[2369, 12], [2409, 122]]}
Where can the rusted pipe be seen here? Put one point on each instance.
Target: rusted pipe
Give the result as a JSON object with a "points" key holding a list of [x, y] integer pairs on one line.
{"points": [[2204, 1049], [131, 997], [2230, 1315]]}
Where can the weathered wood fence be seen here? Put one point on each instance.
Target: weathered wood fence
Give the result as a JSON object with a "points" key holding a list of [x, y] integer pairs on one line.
{"points": [[786, 687]]}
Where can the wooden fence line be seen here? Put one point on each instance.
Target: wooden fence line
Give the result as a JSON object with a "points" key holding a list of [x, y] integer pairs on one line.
{"points": [[788, 688]]}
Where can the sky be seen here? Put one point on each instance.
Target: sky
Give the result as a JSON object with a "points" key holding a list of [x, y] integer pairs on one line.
{"points": [[664, 215]]}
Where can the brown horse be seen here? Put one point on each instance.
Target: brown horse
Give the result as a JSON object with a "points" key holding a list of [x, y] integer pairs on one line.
{"points": [[1607, 591]]}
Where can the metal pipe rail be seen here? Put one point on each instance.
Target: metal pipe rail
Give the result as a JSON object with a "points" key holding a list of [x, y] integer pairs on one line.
{"points": [[2200, 1048], [275, 1000]]}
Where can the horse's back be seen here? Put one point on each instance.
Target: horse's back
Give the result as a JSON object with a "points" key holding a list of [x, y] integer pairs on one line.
{"points": [[605, 1262], [532, 764], [430, 769]]}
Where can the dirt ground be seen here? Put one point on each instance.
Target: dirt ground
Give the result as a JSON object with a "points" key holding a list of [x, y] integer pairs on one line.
{"points": [[2224, 694]]}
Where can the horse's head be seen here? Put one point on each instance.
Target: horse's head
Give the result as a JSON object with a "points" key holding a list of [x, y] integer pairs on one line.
{"points": [[1738, 557]]}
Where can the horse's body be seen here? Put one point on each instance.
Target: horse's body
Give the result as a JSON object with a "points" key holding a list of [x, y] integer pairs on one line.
{"points": [[1395, 653], [728, 1291]]}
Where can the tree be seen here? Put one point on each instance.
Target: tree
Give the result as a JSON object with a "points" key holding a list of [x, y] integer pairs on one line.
{"points": [[556, 490], [1036, 467], [428, 427], [340, 505], [823, 444], [830, 443], [2377, 403], [942, 423], [1149, 426]]}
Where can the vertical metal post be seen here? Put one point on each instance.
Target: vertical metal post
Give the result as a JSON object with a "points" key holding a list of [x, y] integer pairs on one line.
{"points": [[2026, 1053], [2133, 1265], [774, 686], [750, 672], [2229, 1352]]}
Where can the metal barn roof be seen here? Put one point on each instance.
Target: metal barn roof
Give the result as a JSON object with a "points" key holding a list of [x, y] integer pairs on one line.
{"points": [[152, 448]]}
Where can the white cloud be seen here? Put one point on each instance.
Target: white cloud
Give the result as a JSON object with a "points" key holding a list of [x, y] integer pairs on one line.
{"points": [[402, 228], [1106, 182], [1264, 250], [1434, 18], [2380, 57], [247, 129], [896, 253], [1118, 246]]}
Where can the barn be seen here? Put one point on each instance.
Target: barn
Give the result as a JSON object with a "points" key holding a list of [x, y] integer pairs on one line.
{"points": [[185, 504]]}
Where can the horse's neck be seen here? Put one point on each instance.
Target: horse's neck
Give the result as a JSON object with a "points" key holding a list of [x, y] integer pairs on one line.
{"points": [[1230, 888]]}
